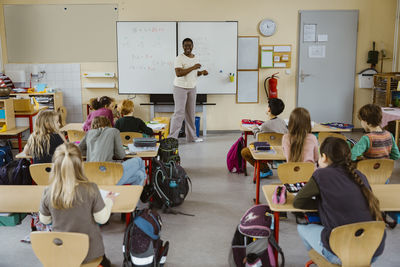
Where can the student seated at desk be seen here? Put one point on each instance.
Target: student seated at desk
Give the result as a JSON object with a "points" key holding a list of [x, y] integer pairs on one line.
{"points": [[342, 196], [128, 123], [46, 137], [377, 143], [103, 142], [102, 107], [273, 125], [73, 204], [300, 145]]}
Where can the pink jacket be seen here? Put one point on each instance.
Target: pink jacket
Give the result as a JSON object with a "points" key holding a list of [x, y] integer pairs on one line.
{"points": [[96, 113], [310, 148]]}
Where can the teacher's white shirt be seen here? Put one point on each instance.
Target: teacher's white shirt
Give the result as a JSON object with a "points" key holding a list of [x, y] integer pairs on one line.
{"points": [[190, 79]]}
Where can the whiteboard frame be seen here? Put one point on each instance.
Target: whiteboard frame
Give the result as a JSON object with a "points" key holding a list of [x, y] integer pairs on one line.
{"points": [[177, 49]]}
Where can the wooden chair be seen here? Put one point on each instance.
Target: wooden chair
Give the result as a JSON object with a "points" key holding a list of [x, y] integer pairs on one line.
{"points": [[354, 244], [63, 115], [295, 172], [62, 249], [75, 136], [127, 137], [323, 135], [103, 173], [377, 171], [274, 139], [41, 173]]}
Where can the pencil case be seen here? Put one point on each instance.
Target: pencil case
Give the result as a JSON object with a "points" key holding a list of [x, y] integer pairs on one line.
{"points": [[279, 196], [144, 142], [262, 146]]}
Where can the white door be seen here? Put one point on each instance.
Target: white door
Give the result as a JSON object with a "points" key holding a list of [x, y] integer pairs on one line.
{"points": [[327, 59]]}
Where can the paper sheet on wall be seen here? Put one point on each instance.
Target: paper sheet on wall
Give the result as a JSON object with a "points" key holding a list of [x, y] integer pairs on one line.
{"points": [[309, 32], [317, 51], [266, 59], [322, 38]]}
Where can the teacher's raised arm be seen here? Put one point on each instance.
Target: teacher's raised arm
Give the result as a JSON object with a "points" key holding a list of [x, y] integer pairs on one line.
{"points": [[187, 69]]}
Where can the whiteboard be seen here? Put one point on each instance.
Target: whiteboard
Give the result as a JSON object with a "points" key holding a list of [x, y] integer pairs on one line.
{"points": [[215, 43], [146, 54], [248, 53], [247, 87]]}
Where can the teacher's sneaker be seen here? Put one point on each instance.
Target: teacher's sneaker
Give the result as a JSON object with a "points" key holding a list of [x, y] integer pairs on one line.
{"points": [[198, 140]]}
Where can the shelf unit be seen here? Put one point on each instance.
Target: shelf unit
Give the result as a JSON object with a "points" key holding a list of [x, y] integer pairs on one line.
{"points": [[52, 100], [384, 86], [99, 85], [9, 119]]}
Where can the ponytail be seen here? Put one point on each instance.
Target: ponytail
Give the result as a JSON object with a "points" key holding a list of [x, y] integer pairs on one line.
{"points": [[66, 174], [100, 102], [338, 152]]}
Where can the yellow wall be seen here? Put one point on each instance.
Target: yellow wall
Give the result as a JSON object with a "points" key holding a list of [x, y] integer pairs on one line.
{"points": [[376, 23]]}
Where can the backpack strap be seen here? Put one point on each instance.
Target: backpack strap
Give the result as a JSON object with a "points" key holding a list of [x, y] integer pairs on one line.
{"points": [[126, 244], [275, 245]]}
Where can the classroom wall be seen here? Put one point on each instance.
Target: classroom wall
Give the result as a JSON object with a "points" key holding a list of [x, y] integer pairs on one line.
{"points": [[376, 23]]}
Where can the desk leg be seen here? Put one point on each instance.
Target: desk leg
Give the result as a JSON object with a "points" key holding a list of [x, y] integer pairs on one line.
{"points": [[257, 169], [151, 112], [20, 142], [245, 162], [150, 170], [30, 124], [397, 133], [276, 229], [204, 120]]}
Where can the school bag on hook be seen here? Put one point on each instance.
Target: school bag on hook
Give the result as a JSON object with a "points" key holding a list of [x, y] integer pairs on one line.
{"points": [[142, 245], [253, 241]]}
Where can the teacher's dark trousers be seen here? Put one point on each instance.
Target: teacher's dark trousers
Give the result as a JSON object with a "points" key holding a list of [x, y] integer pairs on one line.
{"points": [[185, 107]]}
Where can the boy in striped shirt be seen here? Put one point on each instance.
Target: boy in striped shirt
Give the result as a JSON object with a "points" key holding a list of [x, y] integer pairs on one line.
{"points": [[377, 143]]}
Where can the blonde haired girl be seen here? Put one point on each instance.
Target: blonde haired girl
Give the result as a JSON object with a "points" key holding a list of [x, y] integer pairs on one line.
{"points": [[129, 123], [73, 204], [45, 138], [300, 145]]}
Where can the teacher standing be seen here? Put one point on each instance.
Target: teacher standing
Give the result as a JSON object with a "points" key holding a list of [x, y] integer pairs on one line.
{"points": [[186, 70]]}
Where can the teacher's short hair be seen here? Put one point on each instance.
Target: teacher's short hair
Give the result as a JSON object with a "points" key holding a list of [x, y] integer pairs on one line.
{"points": [[187, 40]]}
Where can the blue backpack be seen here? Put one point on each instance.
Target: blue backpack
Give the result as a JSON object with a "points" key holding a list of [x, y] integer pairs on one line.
{"points": [[5, 155]]}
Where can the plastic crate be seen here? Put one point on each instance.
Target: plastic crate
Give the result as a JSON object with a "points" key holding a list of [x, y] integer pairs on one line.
{"points": [[12, 219]]}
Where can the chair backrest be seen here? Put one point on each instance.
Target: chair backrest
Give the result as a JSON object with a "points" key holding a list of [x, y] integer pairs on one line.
{"points": [[127, 137], [75, 136], [377, 171], [63, 115], [60, 249], [274, 139], [41, 173], [323, 135], [295, 172], [103, 173], [356, 243]]}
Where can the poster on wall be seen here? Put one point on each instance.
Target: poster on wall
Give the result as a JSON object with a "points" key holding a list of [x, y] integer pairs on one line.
{"points": [[309, 32]]}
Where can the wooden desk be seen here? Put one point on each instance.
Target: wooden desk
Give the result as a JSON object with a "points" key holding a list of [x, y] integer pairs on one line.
{"points": [[391, 114], [26, 198], [388, 195], [29, 115], [264, 156], [15, 133], [318, 128], [72, 126]]}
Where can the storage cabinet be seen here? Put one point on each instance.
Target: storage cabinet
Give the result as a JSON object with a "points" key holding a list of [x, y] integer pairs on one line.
{"points": [[7, 113], [51, 100], [385, 89]]}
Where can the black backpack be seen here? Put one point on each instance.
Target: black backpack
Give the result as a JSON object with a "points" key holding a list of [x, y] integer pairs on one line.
{"points": [[168, 150], [142, 243], [169, 187], [16, 172]]}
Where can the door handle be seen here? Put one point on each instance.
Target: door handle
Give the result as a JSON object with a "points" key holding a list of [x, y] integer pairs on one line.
{"points": [[303, 75]]}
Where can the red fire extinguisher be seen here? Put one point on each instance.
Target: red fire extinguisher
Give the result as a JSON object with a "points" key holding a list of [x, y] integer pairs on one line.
{"points": [[272, 91]]}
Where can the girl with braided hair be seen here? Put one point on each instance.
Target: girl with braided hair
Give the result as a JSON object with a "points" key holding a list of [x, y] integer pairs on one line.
{"points": [[342, 196]]}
